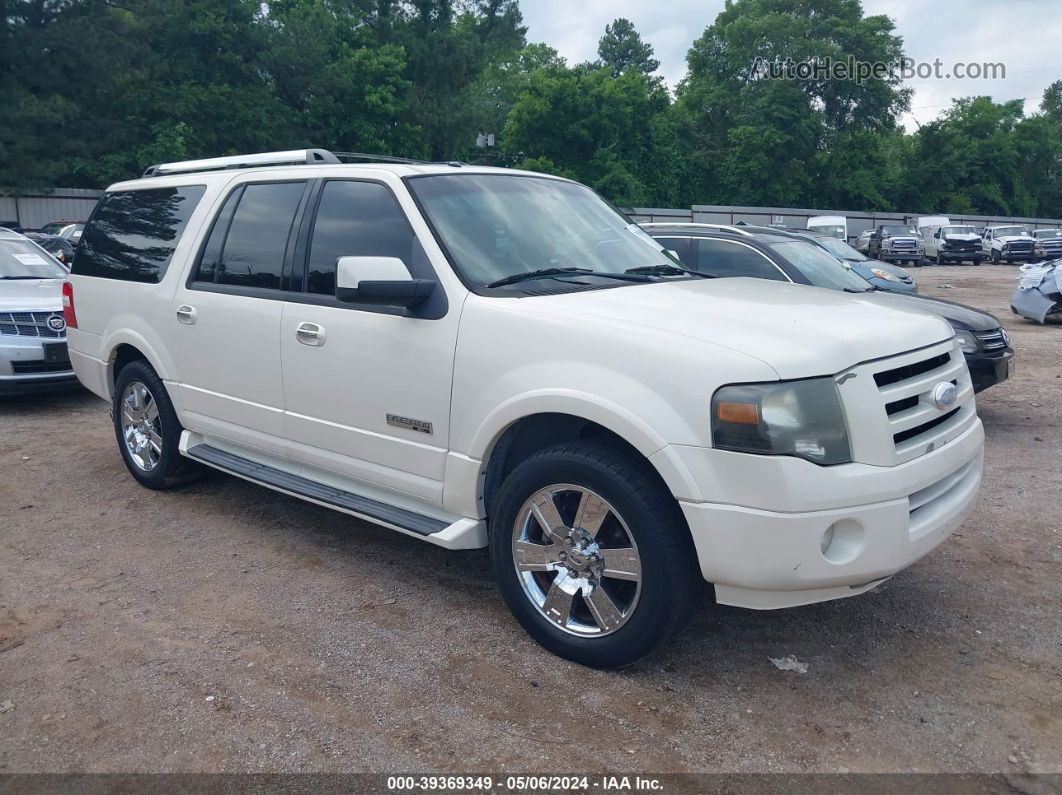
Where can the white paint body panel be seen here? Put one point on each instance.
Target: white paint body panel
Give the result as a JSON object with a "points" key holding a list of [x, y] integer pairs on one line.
{"points": [[642, 360]]}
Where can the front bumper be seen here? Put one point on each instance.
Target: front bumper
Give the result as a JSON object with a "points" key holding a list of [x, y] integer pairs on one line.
{"points": [[986, 371], [893, 287], [767, 559], [968, 255], [17, 354], [900, 256]]}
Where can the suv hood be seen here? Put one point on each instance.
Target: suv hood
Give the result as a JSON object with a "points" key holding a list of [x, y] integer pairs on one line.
{"points": [[31, 295], [799, 331], [959, 314], [965, 237], [1015, 238]]}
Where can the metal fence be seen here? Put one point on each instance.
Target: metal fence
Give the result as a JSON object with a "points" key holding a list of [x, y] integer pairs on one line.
{"points": [[33, 209], [858, 221]]}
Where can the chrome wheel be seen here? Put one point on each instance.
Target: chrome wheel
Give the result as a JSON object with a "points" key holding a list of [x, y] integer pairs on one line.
{"points": [[577, 560], [141, 429]]}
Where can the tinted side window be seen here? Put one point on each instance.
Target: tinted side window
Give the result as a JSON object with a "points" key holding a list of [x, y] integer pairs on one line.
{"points": [[253, 252], [211, 256], [682, 247], [132, 234], [355, 219], [726, 258]]}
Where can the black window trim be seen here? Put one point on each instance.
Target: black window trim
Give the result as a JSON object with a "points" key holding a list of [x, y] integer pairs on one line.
{"points": [[192, 283], [162, 271]]}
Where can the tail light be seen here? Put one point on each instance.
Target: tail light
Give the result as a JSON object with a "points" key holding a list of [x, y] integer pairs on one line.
{"points": [[69, 315]]}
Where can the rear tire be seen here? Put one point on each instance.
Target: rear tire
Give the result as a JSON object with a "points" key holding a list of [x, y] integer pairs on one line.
{"points": [[606, 607], [147, 429]]}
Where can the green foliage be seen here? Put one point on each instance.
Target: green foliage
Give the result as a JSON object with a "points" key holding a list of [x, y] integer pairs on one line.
{"points": [[622, 48], [95, 90]]}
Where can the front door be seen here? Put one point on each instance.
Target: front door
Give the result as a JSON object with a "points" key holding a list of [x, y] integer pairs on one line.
{"points": [[367, 388], [227, 320]]}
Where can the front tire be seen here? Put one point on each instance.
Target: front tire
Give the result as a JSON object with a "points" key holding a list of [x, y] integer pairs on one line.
{"points": [[995, 257], [147, 429], [592, 555]]}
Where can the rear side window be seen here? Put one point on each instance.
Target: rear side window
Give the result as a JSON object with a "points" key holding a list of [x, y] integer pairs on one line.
{"points": [[249, 240], [355, 219], [132, 234], [726, 258]]}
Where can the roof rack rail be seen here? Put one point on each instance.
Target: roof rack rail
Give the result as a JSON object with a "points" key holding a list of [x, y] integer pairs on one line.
{"points": [[725, 227], [291, 157], [380, 158]]}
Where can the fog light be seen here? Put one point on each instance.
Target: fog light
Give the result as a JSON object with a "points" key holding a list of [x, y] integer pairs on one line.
{"points": [[843, 541]]}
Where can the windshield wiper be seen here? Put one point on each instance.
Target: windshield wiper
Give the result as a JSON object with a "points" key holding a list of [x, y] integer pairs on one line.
{"points": [[544, 273], [537, 274], [28, 277], [667, 270]]}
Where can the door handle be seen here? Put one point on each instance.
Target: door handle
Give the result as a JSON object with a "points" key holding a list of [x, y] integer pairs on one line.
{"points": [[310, 334], [186, 314]]}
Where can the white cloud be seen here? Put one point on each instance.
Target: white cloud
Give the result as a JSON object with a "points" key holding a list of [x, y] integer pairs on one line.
{"points": [[1021, 34]]}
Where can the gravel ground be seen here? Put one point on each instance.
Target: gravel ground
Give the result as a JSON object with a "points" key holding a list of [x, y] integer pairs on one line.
{"points": [[224, 627]]}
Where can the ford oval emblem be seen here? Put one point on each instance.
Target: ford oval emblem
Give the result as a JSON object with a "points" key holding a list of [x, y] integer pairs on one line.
{"points": [[56, 323], [944, 394]]}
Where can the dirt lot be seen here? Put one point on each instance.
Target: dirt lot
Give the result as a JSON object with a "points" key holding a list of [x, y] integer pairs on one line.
{"points": [[224, 627]]}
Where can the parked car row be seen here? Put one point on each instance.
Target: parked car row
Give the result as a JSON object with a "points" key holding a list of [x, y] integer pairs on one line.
{"points": [[935, 239]]}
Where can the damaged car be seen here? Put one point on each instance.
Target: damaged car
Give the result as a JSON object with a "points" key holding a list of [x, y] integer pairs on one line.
{"points": [[1039, 293]]}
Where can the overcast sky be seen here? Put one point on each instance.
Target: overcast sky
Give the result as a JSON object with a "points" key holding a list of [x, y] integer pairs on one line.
{"points": [[1025, 35]]}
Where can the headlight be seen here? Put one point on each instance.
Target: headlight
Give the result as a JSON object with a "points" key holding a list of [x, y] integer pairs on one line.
{"points": [[883, 274], [797, 418], [967, 341]]}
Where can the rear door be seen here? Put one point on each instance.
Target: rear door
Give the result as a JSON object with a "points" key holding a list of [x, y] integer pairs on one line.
{"points": [[368, 393], [226, 318]]}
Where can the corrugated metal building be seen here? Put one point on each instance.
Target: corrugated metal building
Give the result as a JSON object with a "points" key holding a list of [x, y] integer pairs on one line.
{"points": [[33, 209]]}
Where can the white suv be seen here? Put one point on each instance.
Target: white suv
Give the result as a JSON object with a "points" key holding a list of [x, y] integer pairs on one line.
{"points": [[485, 357]]}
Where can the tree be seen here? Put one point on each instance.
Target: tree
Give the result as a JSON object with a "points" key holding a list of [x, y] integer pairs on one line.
{"points": [[607, 131], [622, 48], [761, 140]]}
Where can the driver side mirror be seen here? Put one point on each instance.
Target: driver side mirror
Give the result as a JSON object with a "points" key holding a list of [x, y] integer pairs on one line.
{"points": [[379, 280]]}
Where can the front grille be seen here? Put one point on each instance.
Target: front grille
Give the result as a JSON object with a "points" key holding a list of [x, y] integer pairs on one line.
{"points": [[916, 423], [902, 245], [897, 374], [992, 340], [30, 324], [40, 366], [918, 430], [1019, 246]]}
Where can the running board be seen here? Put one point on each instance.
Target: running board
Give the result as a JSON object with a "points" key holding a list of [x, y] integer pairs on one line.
{"points": [[373, 510]]}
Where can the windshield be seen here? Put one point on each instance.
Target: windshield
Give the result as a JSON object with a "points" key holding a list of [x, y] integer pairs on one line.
{"points": [[958, 230], [840, 249], [894, 231], [21, 259], [829, 229], [821, 268], [1046, 233], [1009, 231], [54, 228], [496, 226]]}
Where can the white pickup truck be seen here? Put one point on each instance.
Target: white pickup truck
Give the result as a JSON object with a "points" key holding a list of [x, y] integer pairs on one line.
{"points": [[1010, 243], [484, 357]]}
